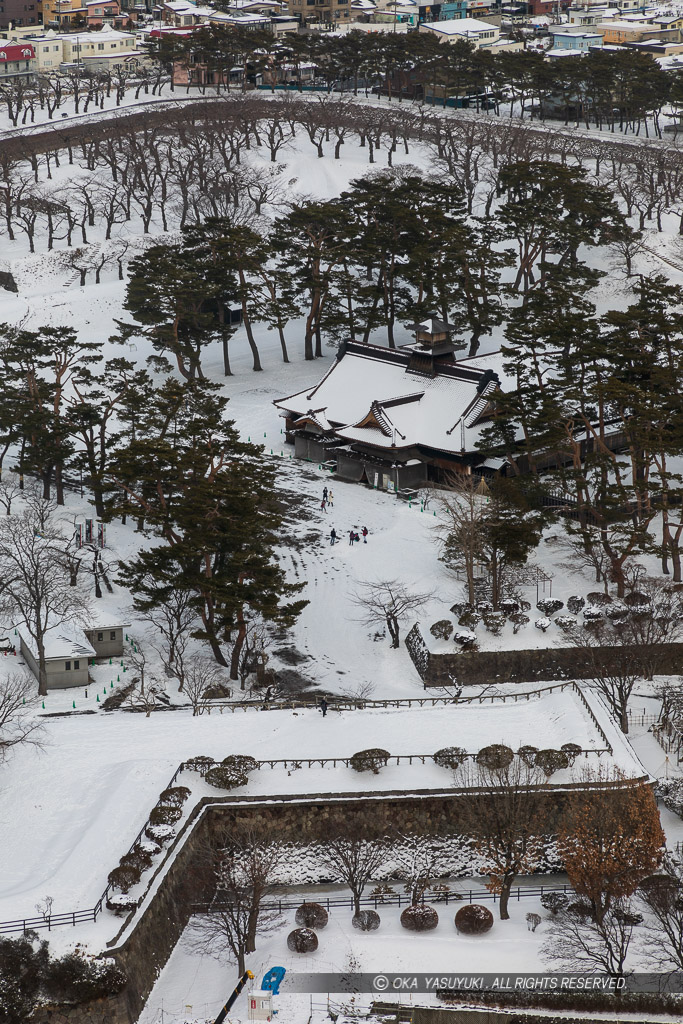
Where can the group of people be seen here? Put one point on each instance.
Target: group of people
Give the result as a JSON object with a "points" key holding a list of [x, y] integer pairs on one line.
{"points": [[353, 536], [328, 499]]}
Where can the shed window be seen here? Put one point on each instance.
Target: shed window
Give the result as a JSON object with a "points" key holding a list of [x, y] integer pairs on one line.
{"points": [[77, 664], [67, 666], [112, 635], [100, 637]]}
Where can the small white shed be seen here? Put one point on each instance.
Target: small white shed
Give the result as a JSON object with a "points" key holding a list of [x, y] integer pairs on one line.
{"points": [[67, 655]]}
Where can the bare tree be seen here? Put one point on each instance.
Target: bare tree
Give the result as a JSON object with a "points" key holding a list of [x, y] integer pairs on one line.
{"points": [[356, 858], [244, 869], [582, 944], [175, 619], [9, 490], [662, 894], [418, 863], [389, 601], [197, 678], [144, 694], [34, 588], [503, 813], [613, 669], [460, 525], [18, 722]]}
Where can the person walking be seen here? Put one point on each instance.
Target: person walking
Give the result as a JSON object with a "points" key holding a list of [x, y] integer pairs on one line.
{"points": [[323, 506], [352, 537], [323, 706], [330, 498], [364, 531], [324, 493], [333, 537]]}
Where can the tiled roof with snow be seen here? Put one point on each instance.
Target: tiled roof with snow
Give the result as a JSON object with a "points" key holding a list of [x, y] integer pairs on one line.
{"points": [[67, 640], [370, 395]]}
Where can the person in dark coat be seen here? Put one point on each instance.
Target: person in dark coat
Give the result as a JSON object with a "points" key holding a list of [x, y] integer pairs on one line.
{"points": [[364, 531], [333, 537], [324, 493], [352, 537], [323, 706]]}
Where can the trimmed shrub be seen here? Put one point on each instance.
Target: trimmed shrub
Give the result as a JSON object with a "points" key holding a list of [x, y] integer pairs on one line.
{"points": [[543, 623], [565, 622], [450, 757], [617, 612], [474, 919], [464, 638], [460, 607], [599, 599], [469, 619], [366, 921], [441, 629], [591, 613], [528, 754], [551, 761], [549, 605], [636, 599], [311, 915], [199, 764], [302, 940], [580, 908], [628, 917], [124, 877], [419, 918], [121, 903], [525, 606], [494, 622], [572, 750], [575, 604], [370, 760], [484, 606], [160, 833], [137, 858], [554, 902], [175, 796], [243, 763], [509, 606], [518, 619], [162, 815], [149, 846], [495, 757], [224, 777]]}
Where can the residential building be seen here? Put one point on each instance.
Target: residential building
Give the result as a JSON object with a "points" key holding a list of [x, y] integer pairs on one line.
{"points": [[17, 60], [107, 48], [99, 13], [480, 33], [67, 655], [619, 32], [63, 12], [579, 42], [18, 13], [394, 417]]}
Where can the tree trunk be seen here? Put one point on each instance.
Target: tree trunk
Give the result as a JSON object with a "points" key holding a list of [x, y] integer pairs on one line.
{"points": [[504, 898]]}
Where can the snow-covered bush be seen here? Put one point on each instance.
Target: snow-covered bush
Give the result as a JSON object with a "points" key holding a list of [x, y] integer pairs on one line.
{"points": [[450, 757], [518, 619], [528, 754], [617, 611], [509, 607], [149, 846], [311, 915], [575, 604], [525, 606], [464, 638], [495, 757], [232, 772], [121, 902], [160, 833], [137, 858], [419, 917], [175, 796], [543, 623], [484, 606], [469, 619], [441, 629], [591, 613], [124, 877], [554, 902], [418, 650], [549, 605], [474, 919], [460, 607], [599, 599], [637, 600], [565, 622], [366, 921], [200, 764], [670, 791], [370, 760], [243, 763], [494, 622], [551, 761], [77, 979], [162, 815], [302, 940], [572, 750]]}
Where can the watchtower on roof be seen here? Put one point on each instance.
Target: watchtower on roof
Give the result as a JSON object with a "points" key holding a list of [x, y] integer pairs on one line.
{"points": [[433, 341]]}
